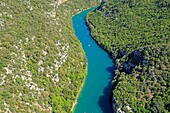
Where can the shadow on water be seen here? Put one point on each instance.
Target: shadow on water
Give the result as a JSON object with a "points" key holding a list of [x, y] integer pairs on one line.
{"points": [[103, 92], [105, 100]]}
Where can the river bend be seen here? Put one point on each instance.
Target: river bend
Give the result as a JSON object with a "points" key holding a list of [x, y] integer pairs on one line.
{"points": [[94, 97]]}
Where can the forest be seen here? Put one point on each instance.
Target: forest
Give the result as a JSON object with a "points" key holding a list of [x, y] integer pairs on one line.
{"points": [[42, 63], [136, 33]]}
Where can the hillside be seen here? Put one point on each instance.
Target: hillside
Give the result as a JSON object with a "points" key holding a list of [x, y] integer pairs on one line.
{"points": [[42, 64], [137, 36]]}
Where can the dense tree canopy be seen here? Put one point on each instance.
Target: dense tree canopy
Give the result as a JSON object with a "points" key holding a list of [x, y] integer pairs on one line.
{"points": [[137, 35]]}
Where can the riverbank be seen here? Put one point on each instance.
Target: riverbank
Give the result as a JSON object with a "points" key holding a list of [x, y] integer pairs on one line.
{"points": [[75, 101], [113, 99], [79, 91], [141, 53]]}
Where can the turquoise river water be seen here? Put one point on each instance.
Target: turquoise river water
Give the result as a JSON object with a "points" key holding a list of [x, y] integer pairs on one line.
{"points": [[94, 97]]}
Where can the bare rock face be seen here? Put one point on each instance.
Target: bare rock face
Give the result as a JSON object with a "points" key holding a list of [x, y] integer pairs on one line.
{"points": [[61, 1]]}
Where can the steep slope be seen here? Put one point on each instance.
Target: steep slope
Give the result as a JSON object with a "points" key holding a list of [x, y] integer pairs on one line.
{"points": [[42, 64], [137, 35]]}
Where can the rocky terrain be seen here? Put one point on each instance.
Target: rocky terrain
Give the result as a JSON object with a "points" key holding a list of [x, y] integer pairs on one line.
{"points": [[42, 64]]}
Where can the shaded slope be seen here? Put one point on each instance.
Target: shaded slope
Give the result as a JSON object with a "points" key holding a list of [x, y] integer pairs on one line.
{"points": [[136, 34]]}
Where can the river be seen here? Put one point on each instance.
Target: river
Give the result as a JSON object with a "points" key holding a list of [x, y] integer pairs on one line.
{"points": [[94, 97]]}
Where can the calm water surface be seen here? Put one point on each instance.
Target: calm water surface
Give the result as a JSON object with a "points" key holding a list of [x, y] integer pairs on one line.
{"points": [[94, 97]]}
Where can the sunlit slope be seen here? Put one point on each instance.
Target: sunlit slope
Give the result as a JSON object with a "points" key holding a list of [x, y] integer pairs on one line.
{"points": [[42, 64]]}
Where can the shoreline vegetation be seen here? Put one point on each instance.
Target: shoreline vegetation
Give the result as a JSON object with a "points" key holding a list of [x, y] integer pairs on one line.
{"points": [[137, 37], [39, 70], [78, 94]]}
